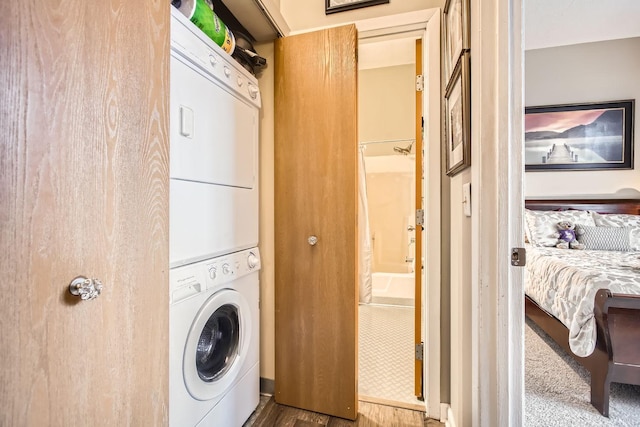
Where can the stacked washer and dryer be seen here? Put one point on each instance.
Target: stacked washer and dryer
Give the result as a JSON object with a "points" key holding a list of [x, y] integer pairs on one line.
{"points": [[213, 226]]}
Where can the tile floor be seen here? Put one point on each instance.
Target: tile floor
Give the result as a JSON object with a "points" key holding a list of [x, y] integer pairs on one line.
{"points": [[386, 353]]}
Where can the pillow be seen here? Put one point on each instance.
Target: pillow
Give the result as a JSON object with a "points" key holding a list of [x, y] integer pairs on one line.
{"points": [[540, 226], [621, 220], [604, 238]]}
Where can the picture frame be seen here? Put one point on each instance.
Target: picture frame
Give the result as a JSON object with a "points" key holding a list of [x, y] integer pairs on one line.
{"points": [[457, 117], [587, 136], [456, 34], [334, 6]]}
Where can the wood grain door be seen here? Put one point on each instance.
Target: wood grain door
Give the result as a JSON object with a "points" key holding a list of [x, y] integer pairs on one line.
{"points": [[316, 311], [419, 232], [84, 191]]}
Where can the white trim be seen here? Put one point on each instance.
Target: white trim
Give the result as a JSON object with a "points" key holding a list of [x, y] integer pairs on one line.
{"points": [[384, 25], [432, 188], [497, 298], [450, 420], [444, 412]]}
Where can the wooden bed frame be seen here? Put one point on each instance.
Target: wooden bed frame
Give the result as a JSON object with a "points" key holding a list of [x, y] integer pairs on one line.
{"points": [[616, 357]]}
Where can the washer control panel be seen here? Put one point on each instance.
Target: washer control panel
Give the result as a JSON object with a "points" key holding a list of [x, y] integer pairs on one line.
{"points": [[193, 279]]}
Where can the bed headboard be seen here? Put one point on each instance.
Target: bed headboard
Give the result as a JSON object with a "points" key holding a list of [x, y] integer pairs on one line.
{"points": [[619, 206]]}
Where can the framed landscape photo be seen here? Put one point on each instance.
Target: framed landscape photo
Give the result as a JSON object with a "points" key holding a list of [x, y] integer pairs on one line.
{"points": [[587, 136], [457, 118], [456, 34], [333, 6]]}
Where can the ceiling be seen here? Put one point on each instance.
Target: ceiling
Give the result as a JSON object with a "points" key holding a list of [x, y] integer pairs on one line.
{"points": [[551, 23]]}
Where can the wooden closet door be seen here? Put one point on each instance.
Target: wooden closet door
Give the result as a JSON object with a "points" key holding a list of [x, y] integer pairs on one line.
{"points": [[316, 195], [84, 191]]}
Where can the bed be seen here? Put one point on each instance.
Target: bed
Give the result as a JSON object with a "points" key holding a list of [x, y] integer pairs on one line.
{"points": [[616, 315]]}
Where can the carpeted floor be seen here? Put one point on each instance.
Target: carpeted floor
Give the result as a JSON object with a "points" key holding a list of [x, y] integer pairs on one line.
{"points": [[557, 389], [386, 353]]}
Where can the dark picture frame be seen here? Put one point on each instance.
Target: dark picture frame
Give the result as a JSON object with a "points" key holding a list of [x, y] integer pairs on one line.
{"points": [[455, 34], [457, 117], [588, 136], [334, 6]]}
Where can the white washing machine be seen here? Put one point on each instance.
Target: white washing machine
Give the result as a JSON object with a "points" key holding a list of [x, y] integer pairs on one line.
{"points": [[214, 333]]}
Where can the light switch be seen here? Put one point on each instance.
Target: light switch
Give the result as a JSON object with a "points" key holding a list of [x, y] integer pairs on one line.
{"points": [[466, 198], [186, 121]]}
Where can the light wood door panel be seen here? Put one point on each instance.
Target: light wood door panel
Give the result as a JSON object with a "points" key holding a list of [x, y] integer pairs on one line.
{"points": [[84, 191], [316, 195], [419, 230]]}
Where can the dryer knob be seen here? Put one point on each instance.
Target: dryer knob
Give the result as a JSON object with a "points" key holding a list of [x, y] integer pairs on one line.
{"points": [[253, 91], [252, 261]]}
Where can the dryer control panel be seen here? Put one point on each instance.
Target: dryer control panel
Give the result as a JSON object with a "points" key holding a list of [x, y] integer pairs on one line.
{"points": [[214, 273], [189, 42]]}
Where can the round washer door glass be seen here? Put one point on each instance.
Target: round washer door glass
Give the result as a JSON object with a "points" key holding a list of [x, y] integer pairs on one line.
{"points": [[218, 343]]}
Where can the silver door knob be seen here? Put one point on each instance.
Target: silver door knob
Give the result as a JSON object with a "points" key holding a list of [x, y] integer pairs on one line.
{"points": [[312, 240], [85, 288]]}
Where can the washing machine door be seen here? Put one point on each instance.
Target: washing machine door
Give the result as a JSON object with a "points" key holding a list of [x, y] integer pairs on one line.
{"points": [[217, 344]]}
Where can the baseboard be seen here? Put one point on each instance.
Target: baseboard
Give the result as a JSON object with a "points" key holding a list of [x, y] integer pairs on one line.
{"points": [[449, 420], [267, 386], [444, 407]]}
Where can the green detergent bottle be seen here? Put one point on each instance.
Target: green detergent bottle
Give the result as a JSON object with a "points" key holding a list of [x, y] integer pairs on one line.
{"points": [[201, 14]]}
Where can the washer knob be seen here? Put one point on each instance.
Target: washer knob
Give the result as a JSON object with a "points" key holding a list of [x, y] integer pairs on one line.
{"points": [[213, 272], [252, 261], [213, 60], [227, 71], [226, 269]]}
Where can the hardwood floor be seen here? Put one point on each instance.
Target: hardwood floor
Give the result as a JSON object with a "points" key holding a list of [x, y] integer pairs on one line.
{"points": [[271, 414]]}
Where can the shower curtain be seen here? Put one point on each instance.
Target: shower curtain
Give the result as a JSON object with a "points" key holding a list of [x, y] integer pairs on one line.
{"points": [[364, 234]]}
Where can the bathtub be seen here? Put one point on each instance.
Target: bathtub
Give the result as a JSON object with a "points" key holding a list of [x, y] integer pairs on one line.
{"points": [[392, 288]]}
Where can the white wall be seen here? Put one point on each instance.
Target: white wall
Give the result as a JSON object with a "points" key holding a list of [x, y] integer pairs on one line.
{"points": [[267, 251], [386, 103], [308, 14], [460, 300], [589, 72]]}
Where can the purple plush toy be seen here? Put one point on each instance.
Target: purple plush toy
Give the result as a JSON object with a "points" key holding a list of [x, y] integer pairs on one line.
{"points": [[567, 236]]}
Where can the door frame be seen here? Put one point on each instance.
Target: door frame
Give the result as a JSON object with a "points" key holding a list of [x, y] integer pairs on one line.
{"points": [[424, 24], [497, 69]]}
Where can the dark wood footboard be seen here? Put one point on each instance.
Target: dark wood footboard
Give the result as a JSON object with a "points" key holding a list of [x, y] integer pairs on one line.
{"points": [[616, 357]]}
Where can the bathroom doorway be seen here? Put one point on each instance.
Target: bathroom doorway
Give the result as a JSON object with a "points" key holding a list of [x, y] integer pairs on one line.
{"points": [[387, 193]]}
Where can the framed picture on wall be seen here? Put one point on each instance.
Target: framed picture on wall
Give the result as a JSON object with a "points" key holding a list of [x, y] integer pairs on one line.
{"points": [[333, 6], [457, 118], [456, 34], [588, 136]]}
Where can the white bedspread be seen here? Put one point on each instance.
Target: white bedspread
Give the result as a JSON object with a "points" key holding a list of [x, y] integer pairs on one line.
{"points": [[564, 282]]}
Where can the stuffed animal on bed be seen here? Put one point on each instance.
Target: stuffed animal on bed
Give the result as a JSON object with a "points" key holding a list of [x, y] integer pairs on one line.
{"points": [[567, 236]]}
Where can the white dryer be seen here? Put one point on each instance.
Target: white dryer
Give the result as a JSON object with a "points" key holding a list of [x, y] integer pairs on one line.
{"points": [[214, 364], [214, 128]]}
